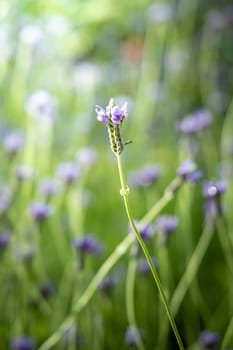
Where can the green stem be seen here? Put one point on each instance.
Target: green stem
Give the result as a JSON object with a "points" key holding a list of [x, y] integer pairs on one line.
{"points": [[119, 251], [124, 192], [228, 337], [192, 267], [130, 284]]}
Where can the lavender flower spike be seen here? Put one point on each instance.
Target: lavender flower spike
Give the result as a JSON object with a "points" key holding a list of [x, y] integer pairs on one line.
{"points": [[112, 116]]}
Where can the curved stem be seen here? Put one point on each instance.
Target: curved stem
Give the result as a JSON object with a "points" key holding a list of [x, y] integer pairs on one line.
{"points": [[124, 192]]}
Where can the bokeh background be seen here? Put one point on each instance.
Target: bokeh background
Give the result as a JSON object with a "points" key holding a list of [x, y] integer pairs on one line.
{"points": [[172, 62]]}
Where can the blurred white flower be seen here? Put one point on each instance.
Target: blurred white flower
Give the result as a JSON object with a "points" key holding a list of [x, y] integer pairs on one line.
{"points": [[86, 76], [41, 106]]}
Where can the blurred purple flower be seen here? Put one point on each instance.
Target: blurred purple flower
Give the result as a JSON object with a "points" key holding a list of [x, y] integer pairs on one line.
{"points": [[146, 232], [131, 336], [40, 210], [212, 192], [209, 339], [41, 106], [107, 285], [68, 172], [213, 189], [186, 168], [4, 240], [143, 266], [145, 176], [187, 171], [86, 156], [23, 343], [87, 245], [26, 253], [49, 187], [47, 289], [13, 142], [167, 224], [196, 122]]}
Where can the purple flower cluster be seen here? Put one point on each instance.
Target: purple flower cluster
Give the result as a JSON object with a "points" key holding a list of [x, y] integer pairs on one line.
{"points": [[195, 122], [115, 113]]}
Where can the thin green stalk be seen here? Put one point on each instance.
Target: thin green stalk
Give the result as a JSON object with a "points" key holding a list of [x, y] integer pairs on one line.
{"points": [[119, 251], [124, 192], [228, 337], [130, 285], [192, 267]]}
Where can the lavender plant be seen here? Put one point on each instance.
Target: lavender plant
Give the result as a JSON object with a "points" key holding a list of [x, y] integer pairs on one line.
{"points": [[113, 117]]}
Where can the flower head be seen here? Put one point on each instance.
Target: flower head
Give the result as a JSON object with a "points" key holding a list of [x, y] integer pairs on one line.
{"points": [[49, 187], [143, 266], [23, 343], [187, 171], [212, 192], [4, 240], [146, 232], [131, 336], [40, 210], [86, 156], [68, 172], [167, 224], [47, 289], [196, 122], [145, 176], [112, 112], [41, 106], [87, 245], [209, 339], [13, 142]]}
